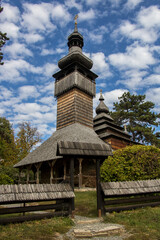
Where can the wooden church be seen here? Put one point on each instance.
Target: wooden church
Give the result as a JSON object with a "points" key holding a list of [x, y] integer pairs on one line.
{"points": [[80, 143], [107, 130], [74, 148]]}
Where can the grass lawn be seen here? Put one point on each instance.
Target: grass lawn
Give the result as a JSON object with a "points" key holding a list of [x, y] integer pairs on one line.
{"points": [[85, 204], [46, 229], [143, 224]]}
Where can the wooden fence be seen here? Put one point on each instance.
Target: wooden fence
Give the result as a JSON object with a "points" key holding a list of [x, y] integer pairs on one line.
{"points": [[30, 198], [120, 196]]}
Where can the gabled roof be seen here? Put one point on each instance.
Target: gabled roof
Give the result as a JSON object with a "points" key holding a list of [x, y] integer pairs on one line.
{"points": [[75, 133]]}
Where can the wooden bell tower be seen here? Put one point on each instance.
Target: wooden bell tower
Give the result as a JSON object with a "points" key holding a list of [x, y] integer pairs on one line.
{"points": [[75, 85]]}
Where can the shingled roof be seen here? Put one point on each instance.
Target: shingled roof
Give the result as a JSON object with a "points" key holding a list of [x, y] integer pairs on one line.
{"points": [[130, 187], [75, 133], [34, 192]]}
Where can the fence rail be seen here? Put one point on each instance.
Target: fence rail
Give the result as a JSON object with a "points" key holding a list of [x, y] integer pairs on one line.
{"points": [[120, 196], [48, 200]]}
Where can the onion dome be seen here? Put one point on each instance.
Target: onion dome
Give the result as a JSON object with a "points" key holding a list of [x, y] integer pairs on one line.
{"points": [[75, 44], [75, 39], [102, 108]]}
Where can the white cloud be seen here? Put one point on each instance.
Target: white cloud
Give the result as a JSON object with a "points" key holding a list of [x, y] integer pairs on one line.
{"points": [[149, 17], [49, 69], [45, 129], [5, 93], [88, 15], [17, 49], [11, 29], [33, 37], [45, 51], [153, 95], [100, 65], [134, 32], [145, 28], [92, 2], [157, 69], [47, 88], [115, 3], [31, 108], [2, 111], [133, 79], [47, 100], [27, 108], [131, 4], [15, 70], [61, 14], [73, 4], [109, 97], [97, 35], [153, 79], [10, 13], [135, 57], [28, 91], [37, 17]]}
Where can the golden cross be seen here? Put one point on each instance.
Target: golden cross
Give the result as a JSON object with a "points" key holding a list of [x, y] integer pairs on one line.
{"points": [[75, 18]]}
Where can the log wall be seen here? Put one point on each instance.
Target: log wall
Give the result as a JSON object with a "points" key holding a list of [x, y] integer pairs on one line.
{"points": [[117, 143], [74, 106]]}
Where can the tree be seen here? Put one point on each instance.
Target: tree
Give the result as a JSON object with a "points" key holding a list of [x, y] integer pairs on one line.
{"points": [[8, 150], [132, 163], [27, 138], [3, 39], [8, 153], [137, 114]]}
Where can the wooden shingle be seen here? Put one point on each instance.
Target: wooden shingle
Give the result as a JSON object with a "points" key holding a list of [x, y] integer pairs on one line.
{"points": [[130, 187], [37, 192]]}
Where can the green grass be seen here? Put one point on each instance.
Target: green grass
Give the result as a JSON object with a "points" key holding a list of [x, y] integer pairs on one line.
{"points": [[86, 204], [143, 224], [44, 229]]}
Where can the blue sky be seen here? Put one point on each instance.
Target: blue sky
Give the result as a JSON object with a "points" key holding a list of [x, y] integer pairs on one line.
{"points": [[122, 37]]}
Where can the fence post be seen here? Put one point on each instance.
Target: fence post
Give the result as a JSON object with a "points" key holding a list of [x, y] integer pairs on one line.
{"points": [[72, 181], [100, 206]]}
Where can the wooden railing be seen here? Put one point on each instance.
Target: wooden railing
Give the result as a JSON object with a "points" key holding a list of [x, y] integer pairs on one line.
{"points": [[120, 196], [18, 203]]}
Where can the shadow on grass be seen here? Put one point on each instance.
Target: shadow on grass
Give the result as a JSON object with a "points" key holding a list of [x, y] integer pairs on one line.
{"points": [[85, 204]]}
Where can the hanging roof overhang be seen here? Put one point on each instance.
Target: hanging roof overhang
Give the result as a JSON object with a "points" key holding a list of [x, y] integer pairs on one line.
{"points": [[82, 149], [74, 134], [75, 56]]}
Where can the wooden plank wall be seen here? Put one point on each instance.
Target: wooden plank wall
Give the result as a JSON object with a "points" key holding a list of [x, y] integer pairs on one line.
{"points": [[117, 143], [74, 106]]}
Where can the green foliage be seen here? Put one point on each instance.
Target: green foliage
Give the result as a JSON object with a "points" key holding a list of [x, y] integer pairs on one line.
{"points": [[12, 150], [27, 137], [8, 149], [137, 114], [8, 174], [3, 39], [132, 163]]}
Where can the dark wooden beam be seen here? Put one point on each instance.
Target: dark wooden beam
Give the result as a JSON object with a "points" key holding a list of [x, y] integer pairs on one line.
{"points": [[130, 207], [72, 179], [32, 217]]}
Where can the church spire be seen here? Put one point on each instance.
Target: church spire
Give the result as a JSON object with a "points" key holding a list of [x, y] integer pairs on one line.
{"points": [[75, 39], [75, 28], [102, 108]]}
